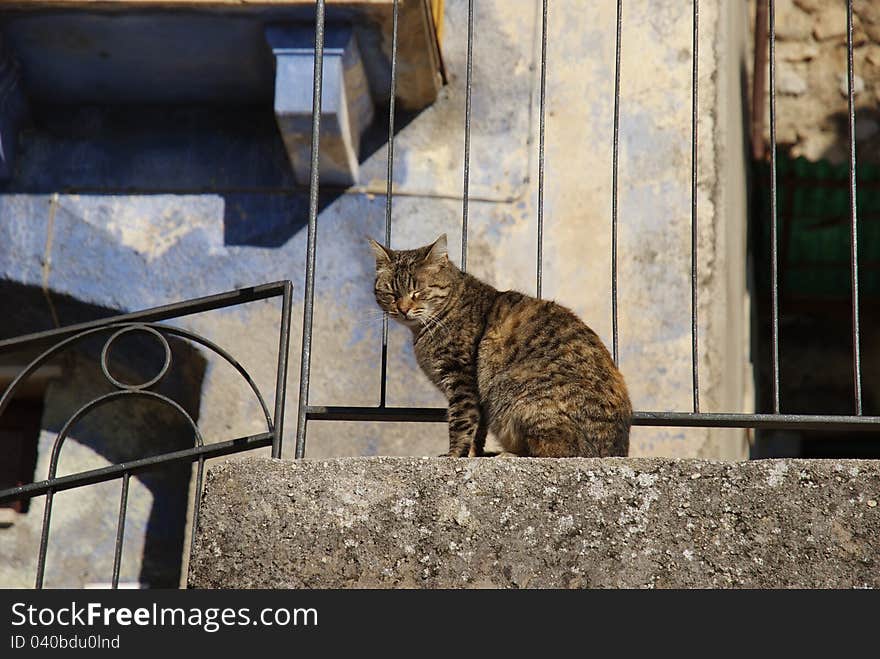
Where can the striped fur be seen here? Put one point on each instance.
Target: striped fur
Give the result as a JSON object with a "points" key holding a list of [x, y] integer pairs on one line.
{"points": [[529, 371]]}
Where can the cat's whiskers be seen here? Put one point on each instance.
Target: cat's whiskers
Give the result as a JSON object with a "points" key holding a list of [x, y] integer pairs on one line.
{"points": [[438, 322], [429, 325], [425, 324]]}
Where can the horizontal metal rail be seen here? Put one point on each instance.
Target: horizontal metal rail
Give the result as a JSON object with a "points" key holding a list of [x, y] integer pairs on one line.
{"points": [[670, 419], [155, 314], [60, 483]]}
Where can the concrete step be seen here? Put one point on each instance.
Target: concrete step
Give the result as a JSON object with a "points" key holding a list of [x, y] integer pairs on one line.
{"points": [[538, 523]]}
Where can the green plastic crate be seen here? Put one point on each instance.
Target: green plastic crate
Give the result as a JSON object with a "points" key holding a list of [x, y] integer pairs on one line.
{"points": [[814, 229]]}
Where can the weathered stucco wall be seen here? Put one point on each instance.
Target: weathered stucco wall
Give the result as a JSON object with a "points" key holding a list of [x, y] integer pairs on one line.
{"points": [[127, 208], [250, 228], [539, 523]]}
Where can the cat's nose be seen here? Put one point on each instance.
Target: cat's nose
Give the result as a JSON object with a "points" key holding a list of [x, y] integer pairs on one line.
{"points": [[404, 304]]}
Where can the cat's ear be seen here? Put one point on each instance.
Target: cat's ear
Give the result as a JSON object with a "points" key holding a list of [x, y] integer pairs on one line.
{"points": [[383, 254], [437, 254]]}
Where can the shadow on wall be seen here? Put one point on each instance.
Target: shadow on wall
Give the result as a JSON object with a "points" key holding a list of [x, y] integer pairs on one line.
{"points": [[121, 431], [236, 153], [867, 131]]}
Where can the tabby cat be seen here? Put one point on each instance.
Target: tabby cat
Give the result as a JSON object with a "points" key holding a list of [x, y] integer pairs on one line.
{"points": [[527, 370]]}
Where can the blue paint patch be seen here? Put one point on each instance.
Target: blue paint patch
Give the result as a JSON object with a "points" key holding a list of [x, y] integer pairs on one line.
{"points": [[650, 147], [361, 332], [23, 234]]}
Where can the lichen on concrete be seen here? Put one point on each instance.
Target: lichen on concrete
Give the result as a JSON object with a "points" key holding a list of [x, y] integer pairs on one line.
{"points": [[538, 523]]}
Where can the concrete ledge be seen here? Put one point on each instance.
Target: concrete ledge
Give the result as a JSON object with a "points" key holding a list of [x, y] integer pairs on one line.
{"points": [[439, 523]]}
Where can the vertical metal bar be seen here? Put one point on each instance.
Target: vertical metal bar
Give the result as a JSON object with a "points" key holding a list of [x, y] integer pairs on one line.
{"points": [[467, 135], [383, 375], [853, 241], [120, 529], [540, 259], [615, 152], [44, 541], [197, 504], [389, 194], [695, 92], [309, 301], [281, 382], [774, 222]]}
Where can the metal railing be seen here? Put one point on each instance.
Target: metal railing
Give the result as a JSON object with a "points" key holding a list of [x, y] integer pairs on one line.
{"points": [[148, 322], [694, 418]]}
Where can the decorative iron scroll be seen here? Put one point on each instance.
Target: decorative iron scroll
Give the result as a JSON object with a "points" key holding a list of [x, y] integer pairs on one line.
{"points": [[147, 323]]}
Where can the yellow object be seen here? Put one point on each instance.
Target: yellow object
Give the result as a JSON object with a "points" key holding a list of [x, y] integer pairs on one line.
{"points": [[437, 13]]}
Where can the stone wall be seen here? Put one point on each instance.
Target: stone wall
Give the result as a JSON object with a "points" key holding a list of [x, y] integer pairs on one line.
{"points": [[539, 523], [811, 78]]}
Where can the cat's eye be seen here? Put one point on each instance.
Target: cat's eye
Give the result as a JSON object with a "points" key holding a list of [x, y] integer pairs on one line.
{"points": [[415, 295]]}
